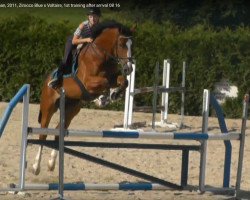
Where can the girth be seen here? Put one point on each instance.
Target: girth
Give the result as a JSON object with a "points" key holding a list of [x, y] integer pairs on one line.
{"points": [[85, 94]]}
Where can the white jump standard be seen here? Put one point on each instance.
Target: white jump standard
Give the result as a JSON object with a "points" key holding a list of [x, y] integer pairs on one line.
{"points": [[164, 90]]}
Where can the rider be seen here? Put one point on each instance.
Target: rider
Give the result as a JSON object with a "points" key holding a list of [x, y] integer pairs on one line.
{"points": [[81, 36]]}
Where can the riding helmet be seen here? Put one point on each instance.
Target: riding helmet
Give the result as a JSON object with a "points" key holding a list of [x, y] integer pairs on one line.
{"points": [[94, 11]]}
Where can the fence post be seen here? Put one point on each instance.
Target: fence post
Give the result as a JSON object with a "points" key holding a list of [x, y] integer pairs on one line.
{"points": [[183, 93], [61, 144], [25, 119], [165, 83], [242, 144], [129, 99], [203, 156]]}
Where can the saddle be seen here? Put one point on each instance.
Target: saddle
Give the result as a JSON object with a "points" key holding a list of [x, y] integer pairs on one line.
{"points": [[70, 70]]}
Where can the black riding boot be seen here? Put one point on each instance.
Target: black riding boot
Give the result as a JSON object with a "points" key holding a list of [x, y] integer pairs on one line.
{"points": [[58, 80]]}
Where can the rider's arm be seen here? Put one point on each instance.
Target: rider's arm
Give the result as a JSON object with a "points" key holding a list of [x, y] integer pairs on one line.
{"points": [[77, 39]]}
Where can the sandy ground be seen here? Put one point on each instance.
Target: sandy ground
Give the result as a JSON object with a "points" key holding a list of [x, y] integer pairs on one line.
{"points": [[162, 164]]}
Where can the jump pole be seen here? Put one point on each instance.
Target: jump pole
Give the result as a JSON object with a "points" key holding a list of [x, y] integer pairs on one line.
{"points": [[137, 134], [94, 186]]}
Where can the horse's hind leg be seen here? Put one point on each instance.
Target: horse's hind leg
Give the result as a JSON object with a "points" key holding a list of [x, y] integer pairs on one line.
{"points": [[72, 108], [47, 108]]}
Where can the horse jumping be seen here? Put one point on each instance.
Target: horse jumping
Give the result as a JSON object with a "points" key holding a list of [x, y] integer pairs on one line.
{"points": [[98, 73]]}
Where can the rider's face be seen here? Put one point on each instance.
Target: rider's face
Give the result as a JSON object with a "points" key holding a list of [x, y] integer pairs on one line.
{"points": [[93, 19]]}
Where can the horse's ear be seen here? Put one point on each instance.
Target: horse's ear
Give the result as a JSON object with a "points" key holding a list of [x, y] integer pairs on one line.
{"points": [[133, 28]]}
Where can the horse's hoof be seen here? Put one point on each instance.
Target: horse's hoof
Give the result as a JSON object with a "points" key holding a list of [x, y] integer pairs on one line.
{"points": [[115, 94], [51, 165], [35, 169], [101, 101]]}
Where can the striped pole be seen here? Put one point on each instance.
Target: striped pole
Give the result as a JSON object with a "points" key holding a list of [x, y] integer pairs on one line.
{"points": [[100, 186], [137, 134]]}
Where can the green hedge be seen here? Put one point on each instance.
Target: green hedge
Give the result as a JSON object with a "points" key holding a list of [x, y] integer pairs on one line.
{"points": [[210, 55], [30, 48]]}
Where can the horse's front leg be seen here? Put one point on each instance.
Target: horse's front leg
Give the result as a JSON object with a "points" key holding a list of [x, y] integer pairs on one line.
{"points": [[53, 156], [36, 166], [119, 87], [72, 108], [98, 85], [47, 108]]}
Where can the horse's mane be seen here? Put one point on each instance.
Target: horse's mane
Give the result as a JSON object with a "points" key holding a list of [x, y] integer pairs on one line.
{"points": [[97, 30]]}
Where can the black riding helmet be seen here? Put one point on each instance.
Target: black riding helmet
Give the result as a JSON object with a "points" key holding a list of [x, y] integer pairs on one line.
{"points": [[94, 11]]}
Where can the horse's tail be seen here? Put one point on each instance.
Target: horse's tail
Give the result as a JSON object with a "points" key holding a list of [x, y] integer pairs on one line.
{"points": [[40, 117]]}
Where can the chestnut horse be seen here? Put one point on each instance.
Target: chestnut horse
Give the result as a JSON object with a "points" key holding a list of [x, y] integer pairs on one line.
{"points": [[97, 73]]}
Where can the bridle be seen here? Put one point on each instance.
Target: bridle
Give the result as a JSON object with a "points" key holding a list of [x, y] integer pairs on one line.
{"points": [[116, 58]]}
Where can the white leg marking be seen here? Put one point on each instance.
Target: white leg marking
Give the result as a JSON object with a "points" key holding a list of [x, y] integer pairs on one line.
{"points": [[113, 93], [36, 165], [52, 160], [101, 101]]}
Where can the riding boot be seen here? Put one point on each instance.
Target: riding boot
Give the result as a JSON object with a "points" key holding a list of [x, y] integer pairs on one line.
{"points": [[58, 80], [60, 75]]}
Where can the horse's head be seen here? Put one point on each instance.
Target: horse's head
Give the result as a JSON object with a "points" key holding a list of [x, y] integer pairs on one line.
{"points": [[116, 44], [123, 53]]}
